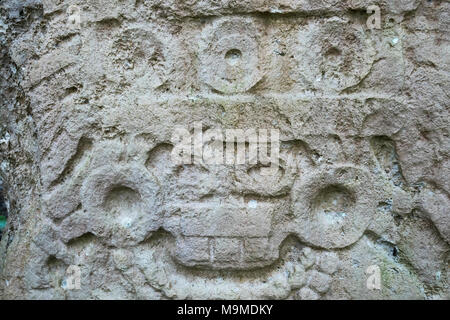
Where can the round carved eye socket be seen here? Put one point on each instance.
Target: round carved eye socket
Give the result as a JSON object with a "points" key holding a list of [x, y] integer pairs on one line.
{"points": [[122, 203], [332, 204], [333, 207]]}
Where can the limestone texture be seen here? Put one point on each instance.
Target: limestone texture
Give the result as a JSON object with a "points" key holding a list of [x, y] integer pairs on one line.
{"points": [[92, 92]]}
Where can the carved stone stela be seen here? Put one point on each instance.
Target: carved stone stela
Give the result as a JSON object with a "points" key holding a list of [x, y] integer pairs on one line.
{"points": [[363, 172]]}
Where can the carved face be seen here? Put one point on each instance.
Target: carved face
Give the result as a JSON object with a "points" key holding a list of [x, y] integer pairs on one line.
{"points": [[154, 213], [117, 199], [223, 216]]}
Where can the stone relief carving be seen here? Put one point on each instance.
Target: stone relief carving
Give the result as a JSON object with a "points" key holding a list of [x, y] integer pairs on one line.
{"points": [[334, 55], [230, 55], [141, 226], [189, 231]]}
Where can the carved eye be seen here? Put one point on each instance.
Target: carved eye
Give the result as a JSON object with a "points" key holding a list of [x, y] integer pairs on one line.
{"points": [[122, 203], [121, 199], [333, 206]]}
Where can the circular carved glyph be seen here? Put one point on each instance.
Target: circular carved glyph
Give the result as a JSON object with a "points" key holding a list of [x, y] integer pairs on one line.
{"points": [[139, 53], [333, 207], [334, 55], [229, 55]]}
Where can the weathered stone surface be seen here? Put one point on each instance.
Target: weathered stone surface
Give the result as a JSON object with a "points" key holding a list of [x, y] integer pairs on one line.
{"points": [[93, 93]]}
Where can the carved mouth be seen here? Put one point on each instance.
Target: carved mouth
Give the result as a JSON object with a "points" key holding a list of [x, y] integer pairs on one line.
{"points": [[233, 233], [292, 272]]}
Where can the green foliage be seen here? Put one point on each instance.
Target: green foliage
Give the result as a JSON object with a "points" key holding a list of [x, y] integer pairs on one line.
{"points": [[2, 222]]}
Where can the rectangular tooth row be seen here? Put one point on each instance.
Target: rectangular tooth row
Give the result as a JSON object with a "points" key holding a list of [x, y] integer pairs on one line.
{"points": [[227, 221], [192, 250]]}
